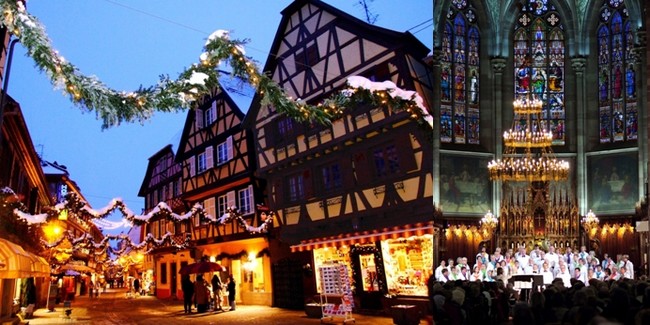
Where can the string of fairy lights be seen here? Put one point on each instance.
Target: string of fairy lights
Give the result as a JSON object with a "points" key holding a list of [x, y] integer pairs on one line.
{"points": [[193, 84], [198, 81], [74, 207]]}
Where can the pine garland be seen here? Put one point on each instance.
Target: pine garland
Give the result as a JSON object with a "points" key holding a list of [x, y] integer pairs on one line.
{"points": [[82, 212], [99, 248], [188, 90]]}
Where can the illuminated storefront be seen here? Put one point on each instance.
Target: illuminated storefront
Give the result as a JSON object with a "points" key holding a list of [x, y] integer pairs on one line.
{"points": [[249, 263], [330, 255], [408, 263], [397, 263], [19, 270]]}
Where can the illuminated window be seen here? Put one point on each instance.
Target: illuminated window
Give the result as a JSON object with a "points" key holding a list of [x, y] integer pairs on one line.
{"points": [[539, 64], [459, 110], [617, 108]]}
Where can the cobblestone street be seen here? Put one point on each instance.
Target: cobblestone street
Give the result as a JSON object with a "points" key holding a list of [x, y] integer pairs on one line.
{"points": [[113, 307]]}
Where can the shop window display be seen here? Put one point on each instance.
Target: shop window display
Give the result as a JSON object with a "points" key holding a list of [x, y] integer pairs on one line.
{"points": [[368, 272], [331, 255], [408, 263]]}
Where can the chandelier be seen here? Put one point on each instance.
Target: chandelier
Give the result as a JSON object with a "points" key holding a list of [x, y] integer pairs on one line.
{"points": [[528, 155], [488, 223], [489, 220], [590, 222]]}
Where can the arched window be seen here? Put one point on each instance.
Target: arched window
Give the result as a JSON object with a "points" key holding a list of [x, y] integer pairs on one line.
{"points": [[617, 108], [459, 110], [539, 63]]}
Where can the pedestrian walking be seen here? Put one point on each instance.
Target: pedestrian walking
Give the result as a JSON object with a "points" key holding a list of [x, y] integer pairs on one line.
{"points": [[136, 286], [231, 292], [217, 286], [188, 292]]}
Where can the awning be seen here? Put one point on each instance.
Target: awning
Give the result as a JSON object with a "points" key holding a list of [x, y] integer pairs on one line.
{"points": [[364, 237], [16, 263]]}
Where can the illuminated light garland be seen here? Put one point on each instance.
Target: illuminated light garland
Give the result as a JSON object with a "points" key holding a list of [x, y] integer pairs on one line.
{"points": [[379, 268], [527, 139], [524, 106], [84, 212], [193, 84], [86, 241], [529, 169], [242, 254]]}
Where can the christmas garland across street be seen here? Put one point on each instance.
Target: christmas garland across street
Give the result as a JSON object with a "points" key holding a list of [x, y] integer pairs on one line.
{"points": [[80, 210], [99, 248], [194, 83]]}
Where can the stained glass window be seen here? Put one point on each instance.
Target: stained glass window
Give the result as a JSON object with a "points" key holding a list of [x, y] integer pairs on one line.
{"points": [[459, 110], [617, 107], [539, 63]]}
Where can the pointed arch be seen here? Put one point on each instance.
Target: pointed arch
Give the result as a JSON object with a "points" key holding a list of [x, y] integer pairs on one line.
{"points": [[460, 71], [539, 63], [617, 93]]}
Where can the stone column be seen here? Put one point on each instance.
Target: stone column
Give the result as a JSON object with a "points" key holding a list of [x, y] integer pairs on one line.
{"points": [[641, 82], [498, 65], [435, 110], [578, 64]]}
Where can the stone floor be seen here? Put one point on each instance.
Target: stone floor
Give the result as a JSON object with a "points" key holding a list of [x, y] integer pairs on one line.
{"points": [[113, 307]]}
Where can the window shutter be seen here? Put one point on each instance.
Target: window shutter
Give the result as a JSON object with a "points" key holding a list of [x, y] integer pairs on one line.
{"points": [[232, 199], [405, 154], [278, 193], [209, 207], [269, 134], [308, 183], [252, 197], [347, 174], [213, 111], [362, 167], [198, 119], [229, 147], [192, 162], [209, 158]]}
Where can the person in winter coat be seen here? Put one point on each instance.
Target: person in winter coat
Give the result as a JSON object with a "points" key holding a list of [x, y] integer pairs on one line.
{"points": [[188, 292], [216, 290], [231, 292], [201, 294]]}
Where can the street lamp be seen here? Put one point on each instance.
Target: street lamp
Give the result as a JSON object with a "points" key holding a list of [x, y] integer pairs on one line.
{"points": [[52, 233]]}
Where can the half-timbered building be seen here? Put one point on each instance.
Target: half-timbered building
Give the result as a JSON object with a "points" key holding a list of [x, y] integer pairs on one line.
{"points": [[61, 185], [218, 164], [359, 191], [20, 173], [163, 183]]}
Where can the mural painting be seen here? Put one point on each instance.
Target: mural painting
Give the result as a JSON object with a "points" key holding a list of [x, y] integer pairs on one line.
{"points": [[465, 185], [613, 182]]}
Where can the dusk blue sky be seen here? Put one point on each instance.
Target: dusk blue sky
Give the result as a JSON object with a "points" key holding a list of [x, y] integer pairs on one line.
{"points": [[130, 43]]}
